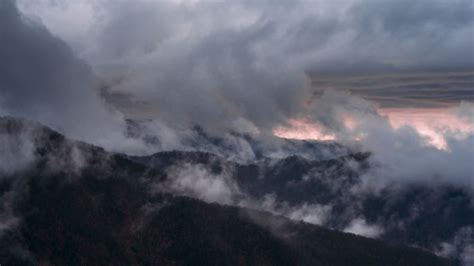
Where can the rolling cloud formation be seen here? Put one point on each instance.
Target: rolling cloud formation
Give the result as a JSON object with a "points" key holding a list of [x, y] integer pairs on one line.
{"points": [[237, 66]]}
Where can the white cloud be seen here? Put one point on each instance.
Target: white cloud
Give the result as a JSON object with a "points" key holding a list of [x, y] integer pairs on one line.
{"points": [[198, 182], [360, 227]]}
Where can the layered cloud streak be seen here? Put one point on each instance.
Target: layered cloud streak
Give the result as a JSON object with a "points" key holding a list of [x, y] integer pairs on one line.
{"points": [[236, 66]]}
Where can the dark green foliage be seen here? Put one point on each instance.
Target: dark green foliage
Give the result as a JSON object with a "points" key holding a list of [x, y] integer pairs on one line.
{"points": [[106, 213], [102, 219]]}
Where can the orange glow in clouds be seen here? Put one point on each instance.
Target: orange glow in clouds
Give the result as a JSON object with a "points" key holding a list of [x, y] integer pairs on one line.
{"points": [[303, 130], [431, 123]]}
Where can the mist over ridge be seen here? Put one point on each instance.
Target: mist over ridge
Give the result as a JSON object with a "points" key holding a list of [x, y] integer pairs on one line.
{"points": [[355, 115]]}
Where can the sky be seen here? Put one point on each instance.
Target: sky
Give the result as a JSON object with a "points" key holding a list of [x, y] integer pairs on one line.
{"points": [[395, 53], [392, 78], [389, 76], [151, 56]]}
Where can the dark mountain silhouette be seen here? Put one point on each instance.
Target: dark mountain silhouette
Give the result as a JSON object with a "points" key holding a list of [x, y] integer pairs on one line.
{"points": [[78, 204], [412, 213]]}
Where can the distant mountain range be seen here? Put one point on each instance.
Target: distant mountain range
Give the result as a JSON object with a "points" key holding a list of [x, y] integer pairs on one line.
{"points": [[65, 202], [417, 214]]}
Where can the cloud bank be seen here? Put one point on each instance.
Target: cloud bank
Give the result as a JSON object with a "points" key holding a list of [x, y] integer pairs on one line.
{"points": [[217, 63], [236, 66], [42, 79]]}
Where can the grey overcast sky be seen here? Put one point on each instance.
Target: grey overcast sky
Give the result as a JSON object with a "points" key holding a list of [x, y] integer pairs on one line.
{"points": [[226, 49], [249, 67], [216, 63]]}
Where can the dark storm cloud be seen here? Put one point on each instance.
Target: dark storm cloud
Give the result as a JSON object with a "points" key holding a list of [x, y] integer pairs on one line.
{"points": [[41, 79], [432, 34], [242, 65], [249, 59], [39, 72], [215, 63], [200, 71]]}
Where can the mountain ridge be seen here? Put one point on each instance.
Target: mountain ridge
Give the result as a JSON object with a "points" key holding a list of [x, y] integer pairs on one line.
{"points": [[104, 213]]}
